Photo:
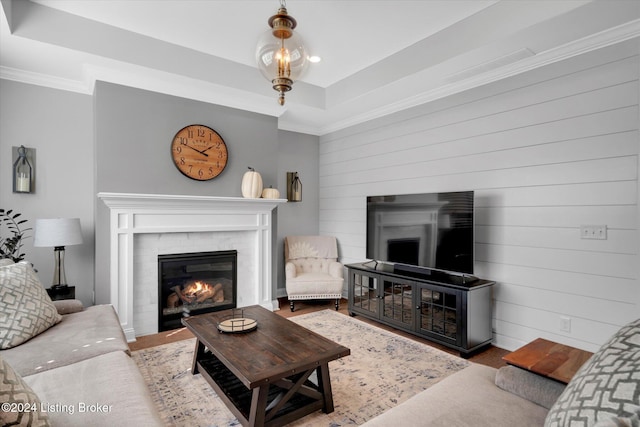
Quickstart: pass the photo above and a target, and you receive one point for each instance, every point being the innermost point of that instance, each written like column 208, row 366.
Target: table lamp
column 57, row 232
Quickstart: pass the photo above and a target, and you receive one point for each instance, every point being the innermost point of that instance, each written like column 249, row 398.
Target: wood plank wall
column 546, row 152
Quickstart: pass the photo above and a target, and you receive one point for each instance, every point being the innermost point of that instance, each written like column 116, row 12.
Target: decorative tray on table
column 237, row 323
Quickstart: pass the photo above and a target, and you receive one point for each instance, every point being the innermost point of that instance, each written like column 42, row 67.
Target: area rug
column 383, row 370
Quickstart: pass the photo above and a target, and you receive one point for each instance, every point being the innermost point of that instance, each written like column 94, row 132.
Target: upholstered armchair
column 312, row 269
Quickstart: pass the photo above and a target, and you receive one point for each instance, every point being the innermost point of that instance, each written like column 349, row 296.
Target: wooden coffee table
column 263, row 376
column 548, row 358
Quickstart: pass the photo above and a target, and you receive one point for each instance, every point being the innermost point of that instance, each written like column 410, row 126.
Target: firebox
column 195, row 283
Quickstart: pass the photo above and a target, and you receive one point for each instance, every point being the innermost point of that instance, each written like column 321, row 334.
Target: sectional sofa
column 62, row 364
column 65, row 365
column 605, row 392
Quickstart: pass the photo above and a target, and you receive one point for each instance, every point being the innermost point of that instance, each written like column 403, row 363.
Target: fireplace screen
column 195, row 283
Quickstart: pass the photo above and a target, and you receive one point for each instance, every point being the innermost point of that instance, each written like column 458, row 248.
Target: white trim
column 131, row 214
column 587, row 44
column 310, row 119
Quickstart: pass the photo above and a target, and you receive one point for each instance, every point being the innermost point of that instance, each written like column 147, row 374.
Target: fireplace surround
column 215, row 223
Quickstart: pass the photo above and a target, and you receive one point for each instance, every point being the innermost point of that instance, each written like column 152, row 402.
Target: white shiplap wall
column 545, row 152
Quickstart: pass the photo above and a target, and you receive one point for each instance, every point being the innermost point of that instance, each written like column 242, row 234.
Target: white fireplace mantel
column 131, row 214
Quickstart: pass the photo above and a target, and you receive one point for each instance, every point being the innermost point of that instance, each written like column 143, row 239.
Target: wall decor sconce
column 294, row 187
column 23, row 169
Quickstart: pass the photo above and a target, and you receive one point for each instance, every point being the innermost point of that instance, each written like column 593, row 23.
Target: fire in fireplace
column 195, row 283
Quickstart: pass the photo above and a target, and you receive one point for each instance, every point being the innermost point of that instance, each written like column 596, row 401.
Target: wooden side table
column 548, row 358
column 68, row 292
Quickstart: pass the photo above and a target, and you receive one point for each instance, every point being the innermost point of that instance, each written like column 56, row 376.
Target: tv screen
column 431, row 230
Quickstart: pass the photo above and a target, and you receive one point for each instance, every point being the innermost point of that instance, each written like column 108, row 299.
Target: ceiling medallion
column 280, row 53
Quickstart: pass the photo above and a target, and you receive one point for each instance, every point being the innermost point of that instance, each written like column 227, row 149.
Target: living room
column 546, row 149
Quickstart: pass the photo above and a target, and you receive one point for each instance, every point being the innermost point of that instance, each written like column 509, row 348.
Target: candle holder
column 294, row 187
column 23, row 169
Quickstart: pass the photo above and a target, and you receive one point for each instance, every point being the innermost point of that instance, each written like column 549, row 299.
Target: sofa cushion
column 106, row 390
column 24, row 406
column 467, row 398
column 82, row 335
column 528, row 385
column 25, row 307
column 606, row 386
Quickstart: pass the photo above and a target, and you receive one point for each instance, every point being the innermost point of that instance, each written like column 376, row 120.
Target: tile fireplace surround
column 142, row 226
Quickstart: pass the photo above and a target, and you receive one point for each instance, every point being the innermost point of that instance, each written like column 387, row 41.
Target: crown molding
column 309, row 120
column 569, row 50
column 45, row 80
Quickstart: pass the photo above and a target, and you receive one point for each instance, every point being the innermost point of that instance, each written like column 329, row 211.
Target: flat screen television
column 429, row 230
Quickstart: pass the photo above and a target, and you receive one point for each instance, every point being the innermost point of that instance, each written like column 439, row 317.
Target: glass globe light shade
column 276, row 59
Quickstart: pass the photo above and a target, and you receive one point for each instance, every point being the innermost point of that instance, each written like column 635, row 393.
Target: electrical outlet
column 594, row 232
column 565, row 324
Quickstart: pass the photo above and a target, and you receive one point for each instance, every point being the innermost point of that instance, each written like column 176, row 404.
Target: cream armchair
column 312, row 269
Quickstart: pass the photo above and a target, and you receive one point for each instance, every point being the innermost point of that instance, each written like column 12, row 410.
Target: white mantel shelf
column 133, row 200
column 131, row 214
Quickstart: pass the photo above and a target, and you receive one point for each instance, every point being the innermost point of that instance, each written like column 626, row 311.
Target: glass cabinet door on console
column 439, row 313
column 449, row 309
column 397, row 302
column 364, row 293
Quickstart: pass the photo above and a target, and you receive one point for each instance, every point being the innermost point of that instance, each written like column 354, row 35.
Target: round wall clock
column 199, row 152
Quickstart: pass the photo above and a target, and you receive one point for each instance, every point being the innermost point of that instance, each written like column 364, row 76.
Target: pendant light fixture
column 280, row 54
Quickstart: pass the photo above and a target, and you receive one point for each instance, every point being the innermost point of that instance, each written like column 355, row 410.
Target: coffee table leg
column 258, row 405
column 197, row 355
column 324, row 383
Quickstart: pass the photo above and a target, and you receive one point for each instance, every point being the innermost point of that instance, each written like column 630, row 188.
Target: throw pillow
column 533, row 387
column 5, row 262
column 20, row 405
column 620, row 422
column 606, row 387
column 25, row 307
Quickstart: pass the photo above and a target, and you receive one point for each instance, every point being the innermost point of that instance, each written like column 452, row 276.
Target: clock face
column 199, row 152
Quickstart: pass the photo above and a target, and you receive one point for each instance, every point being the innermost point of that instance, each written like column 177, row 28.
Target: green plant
column 11, row 247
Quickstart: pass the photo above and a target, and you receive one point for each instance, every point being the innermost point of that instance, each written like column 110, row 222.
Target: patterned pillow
column 606, row 387
column 20, row 405
column 25, row 307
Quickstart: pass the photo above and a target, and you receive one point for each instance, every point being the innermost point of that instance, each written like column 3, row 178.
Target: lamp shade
column 57, row 232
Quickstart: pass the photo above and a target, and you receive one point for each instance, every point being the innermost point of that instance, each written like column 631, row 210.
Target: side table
column 67, row 292
column 548, row 358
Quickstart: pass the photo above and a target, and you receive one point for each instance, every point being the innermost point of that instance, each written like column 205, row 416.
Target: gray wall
column 297, row 153
column 59, row 126
column 134, row 129
column 118, row 141
column 546, row 152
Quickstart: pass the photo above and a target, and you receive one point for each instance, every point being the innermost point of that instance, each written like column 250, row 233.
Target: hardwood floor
column 491, row 356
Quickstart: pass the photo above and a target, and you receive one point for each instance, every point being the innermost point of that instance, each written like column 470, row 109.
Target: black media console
column 453, row 310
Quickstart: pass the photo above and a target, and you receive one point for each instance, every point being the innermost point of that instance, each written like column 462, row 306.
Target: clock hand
column 195, row 149
column 207, row 149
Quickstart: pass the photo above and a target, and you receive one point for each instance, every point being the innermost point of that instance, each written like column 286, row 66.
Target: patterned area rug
column 383, row 370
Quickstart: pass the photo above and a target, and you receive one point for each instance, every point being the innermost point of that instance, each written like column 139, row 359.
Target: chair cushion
column 24, row 405
column 314, row 285
column 606, row 386
column 25, row 307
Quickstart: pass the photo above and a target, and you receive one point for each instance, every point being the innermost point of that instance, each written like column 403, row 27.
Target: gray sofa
column 605, row 392
column 62, row 364
column 81, row 371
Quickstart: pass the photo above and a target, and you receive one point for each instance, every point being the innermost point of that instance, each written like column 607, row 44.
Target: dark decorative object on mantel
column 294, row 187
column 11, row 247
